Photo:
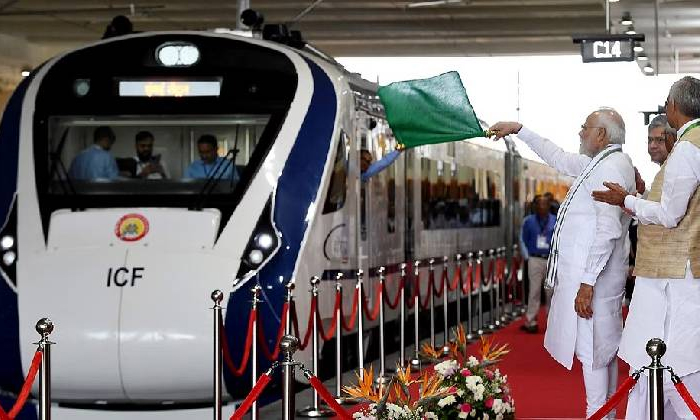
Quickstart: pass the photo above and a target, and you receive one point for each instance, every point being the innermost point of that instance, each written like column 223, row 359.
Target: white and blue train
column 124, row 266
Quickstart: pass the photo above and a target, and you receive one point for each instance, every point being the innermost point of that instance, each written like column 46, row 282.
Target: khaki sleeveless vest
column 663, row 253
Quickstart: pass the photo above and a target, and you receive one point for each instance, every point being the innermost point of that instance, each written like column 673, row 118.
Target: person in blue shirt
column 536, row 235
column 369, row 169
column 96, row 162
column 210, row 161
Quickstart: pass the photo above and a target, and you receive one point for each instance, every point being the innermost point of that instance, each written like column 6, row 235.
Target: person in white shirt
column 587, row 264
column 666, row 300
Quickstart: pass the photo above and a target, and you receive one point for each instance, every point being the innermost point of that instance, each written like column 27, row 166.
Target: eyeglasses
column 661, row 139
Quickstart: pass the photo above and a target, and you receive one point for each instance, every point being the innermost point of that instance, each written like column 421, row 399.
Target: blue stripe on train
column 11, row 375
column 297, row 190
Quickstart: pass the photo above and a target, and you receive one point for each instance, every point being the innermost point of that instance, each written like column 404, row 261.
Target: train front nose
column 135, row 324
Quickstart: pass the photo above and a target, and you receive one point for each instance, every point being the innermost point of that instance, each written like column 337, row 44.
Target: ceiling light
column 626, row 19
column 642, row 57
column 433, row 3
column 613, row 1
column 648, row 69
column 638, row 48
column 631, row 31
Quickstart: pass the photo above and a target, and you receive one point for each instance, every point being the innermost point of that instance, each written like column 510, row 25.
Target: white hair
column 613, row 124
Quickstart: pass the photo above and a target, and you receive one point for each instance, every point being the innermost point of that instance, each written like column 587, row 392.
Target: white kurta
column 592, row 250
column 667, row 308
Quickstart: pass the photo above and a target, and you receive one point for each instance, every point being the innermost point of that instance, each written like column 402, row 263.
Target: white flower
column 460, row 393
column 450, row 399
column 463, row 415
column 473, row 413
column 472, row 361
column 485, row 417
column 430, row 416
column 447, row 368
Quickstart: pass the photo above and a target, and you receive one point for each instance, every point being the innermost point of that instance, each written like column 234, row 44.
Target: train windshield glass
column 151, row 155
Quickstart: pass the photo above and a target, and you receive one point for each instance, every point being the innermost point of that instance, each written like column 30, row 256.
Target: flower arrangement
column 458, row 387
column 480, row 391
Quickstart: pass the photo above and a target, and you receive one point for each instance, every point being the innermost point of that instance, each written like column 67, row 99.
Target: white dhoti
column 668, row 309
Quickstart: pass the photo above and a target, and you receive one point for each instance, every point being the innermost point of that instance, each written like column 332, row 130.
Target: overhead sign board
column 607, row 48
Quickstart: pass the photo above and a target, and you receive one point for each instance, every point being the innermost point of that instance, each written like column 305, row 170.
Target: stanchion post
column 288, row 346
column 480, row 293
column 45, row 327
column 445, row 300
column 254, row 413
column 458, row 296
column 382, row 378
column 494, row 323
column 431, row 287
column 503, row 289
column 360, row 326
column 402, row 317
column 217, row 296
column 290, row 300
column 656, row 348
column 339, row 350
column 470, row 312
column 519, row 279
column 315, row 410
column 415, row 362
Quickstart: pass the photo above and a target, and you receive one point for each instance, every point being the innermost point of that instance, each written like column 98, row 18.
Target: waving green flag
column 427, row 111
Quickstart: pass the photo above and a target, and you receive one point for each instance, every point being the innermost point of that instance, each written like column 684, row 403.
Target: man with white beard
column 666, row 300
column 587, row 264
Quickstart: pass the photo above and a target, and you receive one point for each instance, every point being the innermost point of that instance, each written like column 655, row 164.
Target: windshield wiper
column 216, row 175
column 59, row 169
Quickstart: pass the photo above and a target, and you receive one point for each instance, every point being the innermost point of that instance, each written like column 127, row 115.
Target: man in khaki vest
column 666, row 301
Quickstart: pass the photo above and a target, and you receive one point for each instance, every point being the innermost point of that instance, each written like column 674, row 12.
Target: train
column 124, row 266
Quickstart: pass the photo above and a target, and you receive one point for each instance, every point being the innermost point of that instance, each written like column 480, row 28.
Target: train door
column 364, row 215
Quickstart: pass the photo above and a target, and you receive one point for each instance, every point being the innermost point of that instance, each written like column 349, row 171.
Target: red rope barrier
column 689, row 401
column 415, row 292
column 272, row 356
column 431, row 283
column 393, row 304
column 365, row 304
column 469, row 278
column 336, row 313
column 328, row 398
column 310, row 323
column 443, row 280
column 252, row 396
column 26, row 389
column 476, row 279
column 353, row 314
column 238, row 371
column 615, row 399
column 456, row 278
column 489, row 274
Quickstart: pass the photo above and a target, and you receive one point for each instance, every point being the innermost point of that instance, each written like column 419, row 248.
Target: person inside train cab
column 369, row 169
column 145, row 164
column 536, row 234
column 209, row 161
column 587, row 264
column 666, row 300
column 96, row 161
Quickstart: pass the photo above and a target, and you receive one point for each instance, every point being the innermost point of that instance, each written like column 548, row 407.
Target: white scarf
column 553, row 259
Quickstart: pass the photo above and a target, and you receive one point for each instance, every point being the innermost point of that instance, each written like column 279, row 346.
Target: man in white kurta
column 590, row 267
column 666, row 300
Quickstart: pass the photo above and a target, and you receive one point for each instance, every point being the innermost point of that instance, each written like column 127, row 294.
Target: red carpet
column 541, row 387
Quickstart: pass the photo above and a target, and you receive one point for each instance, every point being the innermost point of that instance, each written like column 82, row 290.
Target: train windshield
column 153, row 155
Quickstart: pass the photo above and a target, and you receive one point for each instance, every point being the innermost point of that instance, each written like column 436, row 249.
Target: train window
column 337, row 188
column 150, row 155
column 391, row 199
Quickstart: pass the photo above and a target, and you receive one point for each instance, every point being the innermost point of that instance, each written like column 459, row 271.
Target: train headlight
column 7, row 242
column 177, row 54
column 264, row 240
column 81, row 87
column 255, row 256
column 8, row 258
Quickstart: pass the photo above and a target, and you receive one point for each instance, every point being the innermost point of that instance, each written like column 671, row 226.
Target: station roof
column 382, row 28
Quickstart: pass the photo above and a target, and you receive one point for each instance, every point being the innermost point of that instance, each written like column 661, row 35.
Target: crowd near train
column 142, row 172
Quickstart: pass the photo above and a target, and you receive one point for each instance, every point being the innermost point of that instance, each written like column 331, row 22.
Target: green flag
column 427, row 111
